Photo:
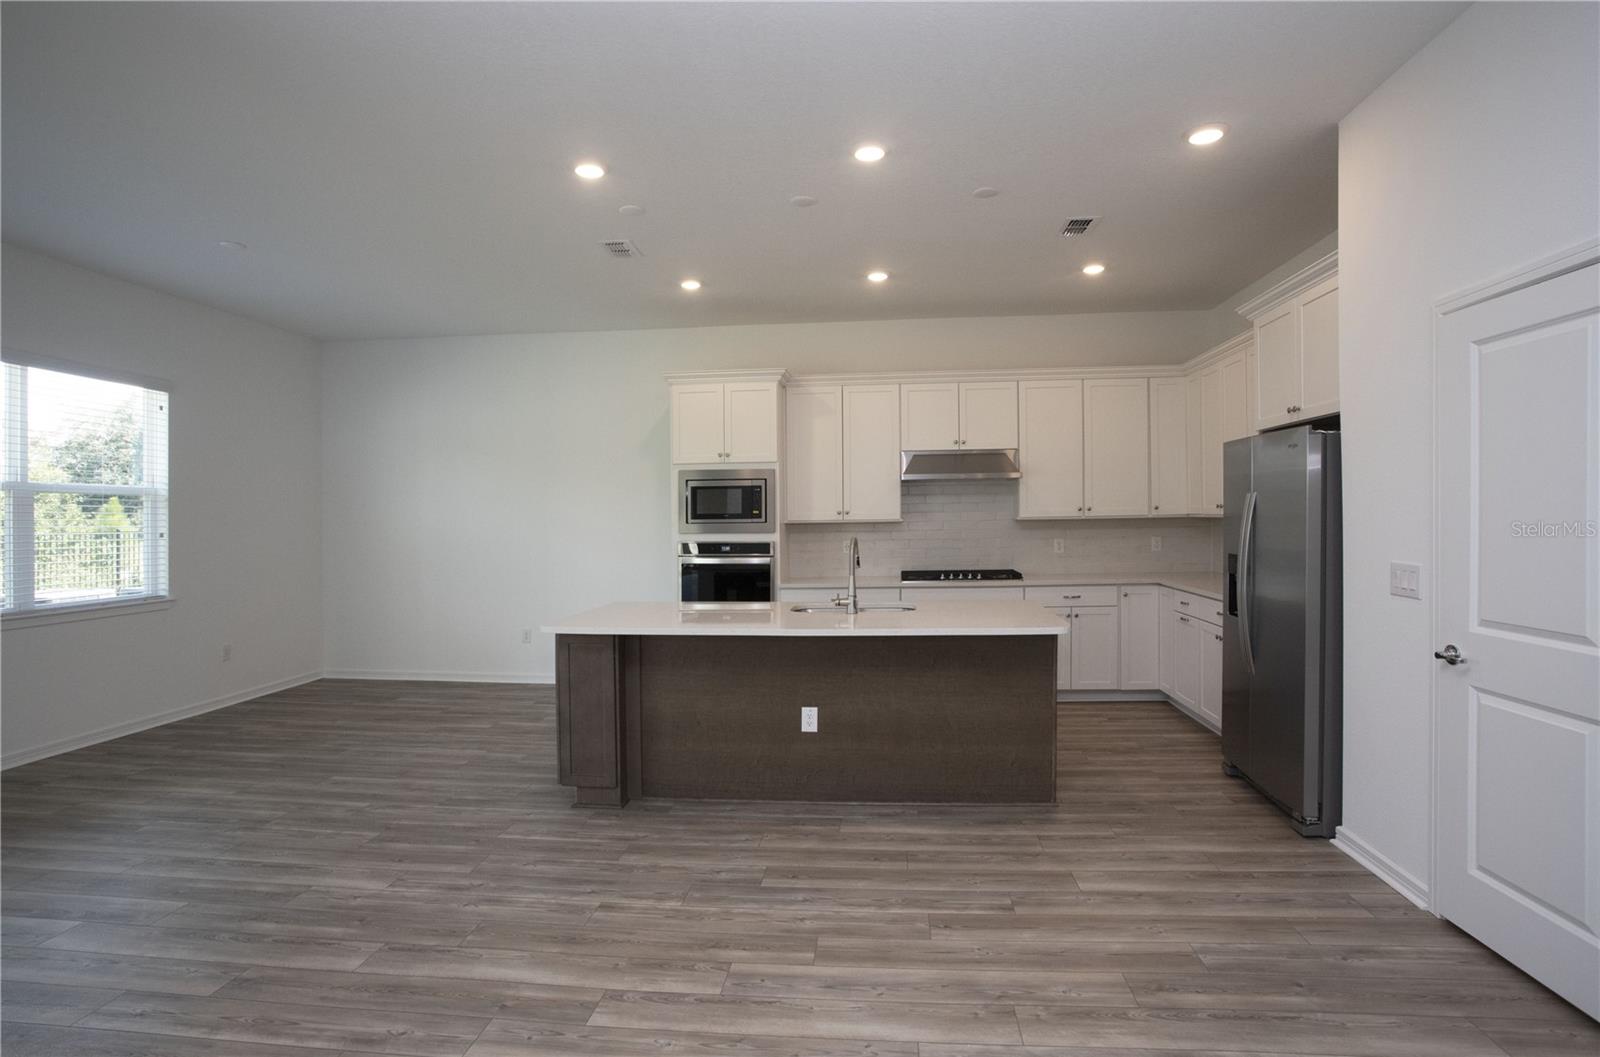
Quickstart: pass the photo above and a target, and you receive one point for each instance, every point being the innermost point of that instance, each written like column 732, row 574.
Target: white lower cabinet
column 1211, row 673
column 1063, row 650
column 1186, row 660
column 1168, row 641
column 956, row 594
column 1139, row 637
column 821, row 595
column 1095, row 653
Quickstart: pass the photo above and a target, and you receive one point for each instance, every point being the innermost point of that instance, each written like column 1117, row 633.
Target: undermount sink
column 882, row 607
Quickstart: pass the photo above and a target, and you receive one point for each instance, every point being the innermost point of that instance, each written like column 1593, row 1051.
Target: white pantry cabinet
column 1139, row 637
column 1169, row 447
column 724, row 422
column 1297, row 346
column 842, row 453
column 948, row 416
column 1051, row 451
column 1116, row 447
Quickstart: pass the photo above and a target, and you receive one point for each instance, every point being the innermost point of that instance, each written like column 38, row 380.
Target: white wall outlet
column 808, row 720
column 1405, row 580
column 1060, row 545
column 1155, row 544
column 227, row 651
column 527, row 636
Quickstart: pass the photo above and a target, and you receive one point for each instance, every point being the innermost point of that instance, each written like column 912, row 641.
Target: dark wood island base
column 901, row 719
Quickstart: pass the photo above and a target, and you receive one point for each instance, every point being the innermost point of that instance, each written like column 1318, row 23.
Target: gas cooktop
column 920, row 575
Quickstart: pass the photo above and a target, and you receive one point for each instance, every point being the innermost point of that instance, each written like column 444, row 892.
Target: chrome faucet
column 849, row 599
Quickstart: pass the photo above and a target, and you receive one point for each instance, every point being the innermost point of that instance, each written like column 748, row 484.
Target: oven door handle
column 724, row 561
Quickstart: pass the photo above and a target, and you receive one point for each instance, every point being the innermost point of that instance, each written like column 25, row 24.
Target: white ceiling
column 406, row 169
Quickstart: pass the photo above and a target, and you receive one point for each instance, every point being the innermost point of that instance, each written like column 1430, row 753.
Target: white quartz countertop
column 973, row 616
column 1207, row 584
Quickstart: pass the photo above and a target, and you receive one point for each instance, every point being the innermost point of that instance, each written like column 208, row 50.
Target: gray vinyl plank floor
column 353, row 868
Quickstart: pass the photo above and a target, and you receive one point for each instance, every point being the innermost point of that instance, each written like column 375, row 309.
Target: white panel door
column 751, row 434
column 1168, row 648
column 1210, row 705
column 988, row 414
column 1211, row 442
column 697, row 423
column 1186, row 663
column 1235, row 398
column 1095, row 663
column 1517, row 595
column 1197, row 499
column 1063, row 649
column 1139, row 637
column 1116, row 447
column 930, row 416
column 813, row 454
column 1319, row 350
column 1051, row 453
column 1169, row 447
column 872, row 453
column 1277, row 367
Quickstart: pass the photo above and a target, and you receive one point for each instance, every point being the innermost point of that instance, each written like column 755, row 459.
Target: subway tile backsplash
column 973, row 524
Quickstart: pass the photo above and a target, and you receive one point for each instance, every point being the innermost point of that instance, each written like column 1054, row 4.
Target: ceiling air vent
column 1076, row 226
column 621, row 248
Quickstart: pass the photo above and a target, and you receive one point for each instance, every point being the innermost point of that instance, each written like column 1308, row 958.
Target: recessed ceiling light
column 590, row 170
column 690, row 285
column 630, row 211
column 984, row 192
column 1094, row 269
column 1206, row 135
column 870, row 152
column 802, row 201
column 877, row 277
column 229, row 244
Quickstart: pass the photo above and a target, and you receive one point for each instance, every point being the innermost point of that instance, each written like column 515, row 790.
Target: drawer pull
column 1181, row 602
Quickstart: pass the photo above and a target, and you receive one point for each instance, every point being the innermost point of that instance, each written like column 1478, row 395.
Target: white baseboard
column 533, row 678
column 1110, row 695
column 133, row 726
column 1383, row 867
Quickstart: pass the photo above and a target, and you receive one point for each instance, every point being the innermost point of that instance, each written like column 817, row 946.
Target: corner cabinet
column 1297, row 346
column 842, row 453
column 1219, row 409
column 1169, row 447
column 734, row 420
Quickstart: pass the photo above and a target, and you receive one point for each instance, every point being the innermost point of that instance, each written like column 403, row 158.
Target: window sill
column 65, row 614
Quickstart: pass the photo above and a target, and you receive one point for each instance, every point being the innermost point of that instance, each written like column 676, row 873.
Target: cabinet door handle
column 1216, row 636
column 1158, row 506
column 1181, row 602
column 1184, row 619
column 1219, row 506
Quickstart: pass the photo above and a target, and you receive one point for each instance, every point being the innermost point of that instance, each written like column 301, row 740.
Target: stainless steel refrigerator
column 1281, row 668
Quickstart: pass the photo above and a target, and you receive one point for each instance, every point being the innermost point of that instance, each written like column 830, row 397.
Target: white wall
column 1477, row 156
column 476, row 487
column 245, row 514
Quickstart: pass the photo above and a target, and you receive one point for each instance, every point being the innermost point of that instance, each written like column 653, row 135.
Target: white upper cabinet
column 724, row 421
column 697, row 423
column 930, row 416
column 842, row 453
column 1235, row 397
column 1297, row 346
column 872, row 453
column 947, row 416
column 1116, row 415
column 1219, row 410
column 1211, row 403
column 1051, row 450
column 988, row 414
column 1194, row 406
column 751, row 416
column 1169, row 447
column 813, row 466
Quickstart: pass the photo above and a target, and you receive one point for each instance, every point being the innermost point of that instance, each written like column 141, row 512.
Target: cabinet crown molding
column 1018, row 374
column 1218, row 353
column 780, row 375
column 1277, row 294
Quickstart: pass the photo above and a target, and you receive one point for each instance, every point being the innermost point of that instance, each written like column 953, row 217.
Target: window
column 85, row 491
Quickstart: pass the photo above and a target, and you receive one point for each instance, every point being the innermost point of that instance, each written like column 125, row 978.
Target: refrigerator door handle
column 1247, row 526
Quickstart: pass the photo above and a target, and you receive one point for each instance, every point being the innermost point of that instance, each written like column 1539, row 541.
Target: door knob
column 1449, row 655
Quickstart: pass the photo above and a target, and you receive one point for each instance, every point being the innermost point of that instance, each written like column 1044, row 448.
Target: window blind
column 85, row 500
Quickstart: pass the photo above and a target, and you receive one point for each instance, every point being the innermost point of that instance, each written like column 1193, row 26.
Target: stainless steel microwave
column 725, row 501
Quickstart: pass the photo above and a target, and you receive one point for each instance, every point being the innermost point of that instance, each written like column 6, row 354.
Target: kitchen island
column 950, row 702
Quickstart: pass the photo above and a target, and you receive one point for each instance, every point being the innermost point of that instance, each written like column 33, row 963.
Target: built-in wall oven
column 725, row 574
column 725, row 502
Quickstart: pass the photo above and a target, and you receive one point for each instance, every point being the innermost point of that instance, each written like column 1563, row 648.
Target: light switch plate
column 808, row 720
column 1405, row 580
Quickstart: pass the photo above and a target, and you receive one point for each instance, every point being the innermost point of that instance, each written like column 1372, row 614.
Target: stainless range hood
column 989, row 464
